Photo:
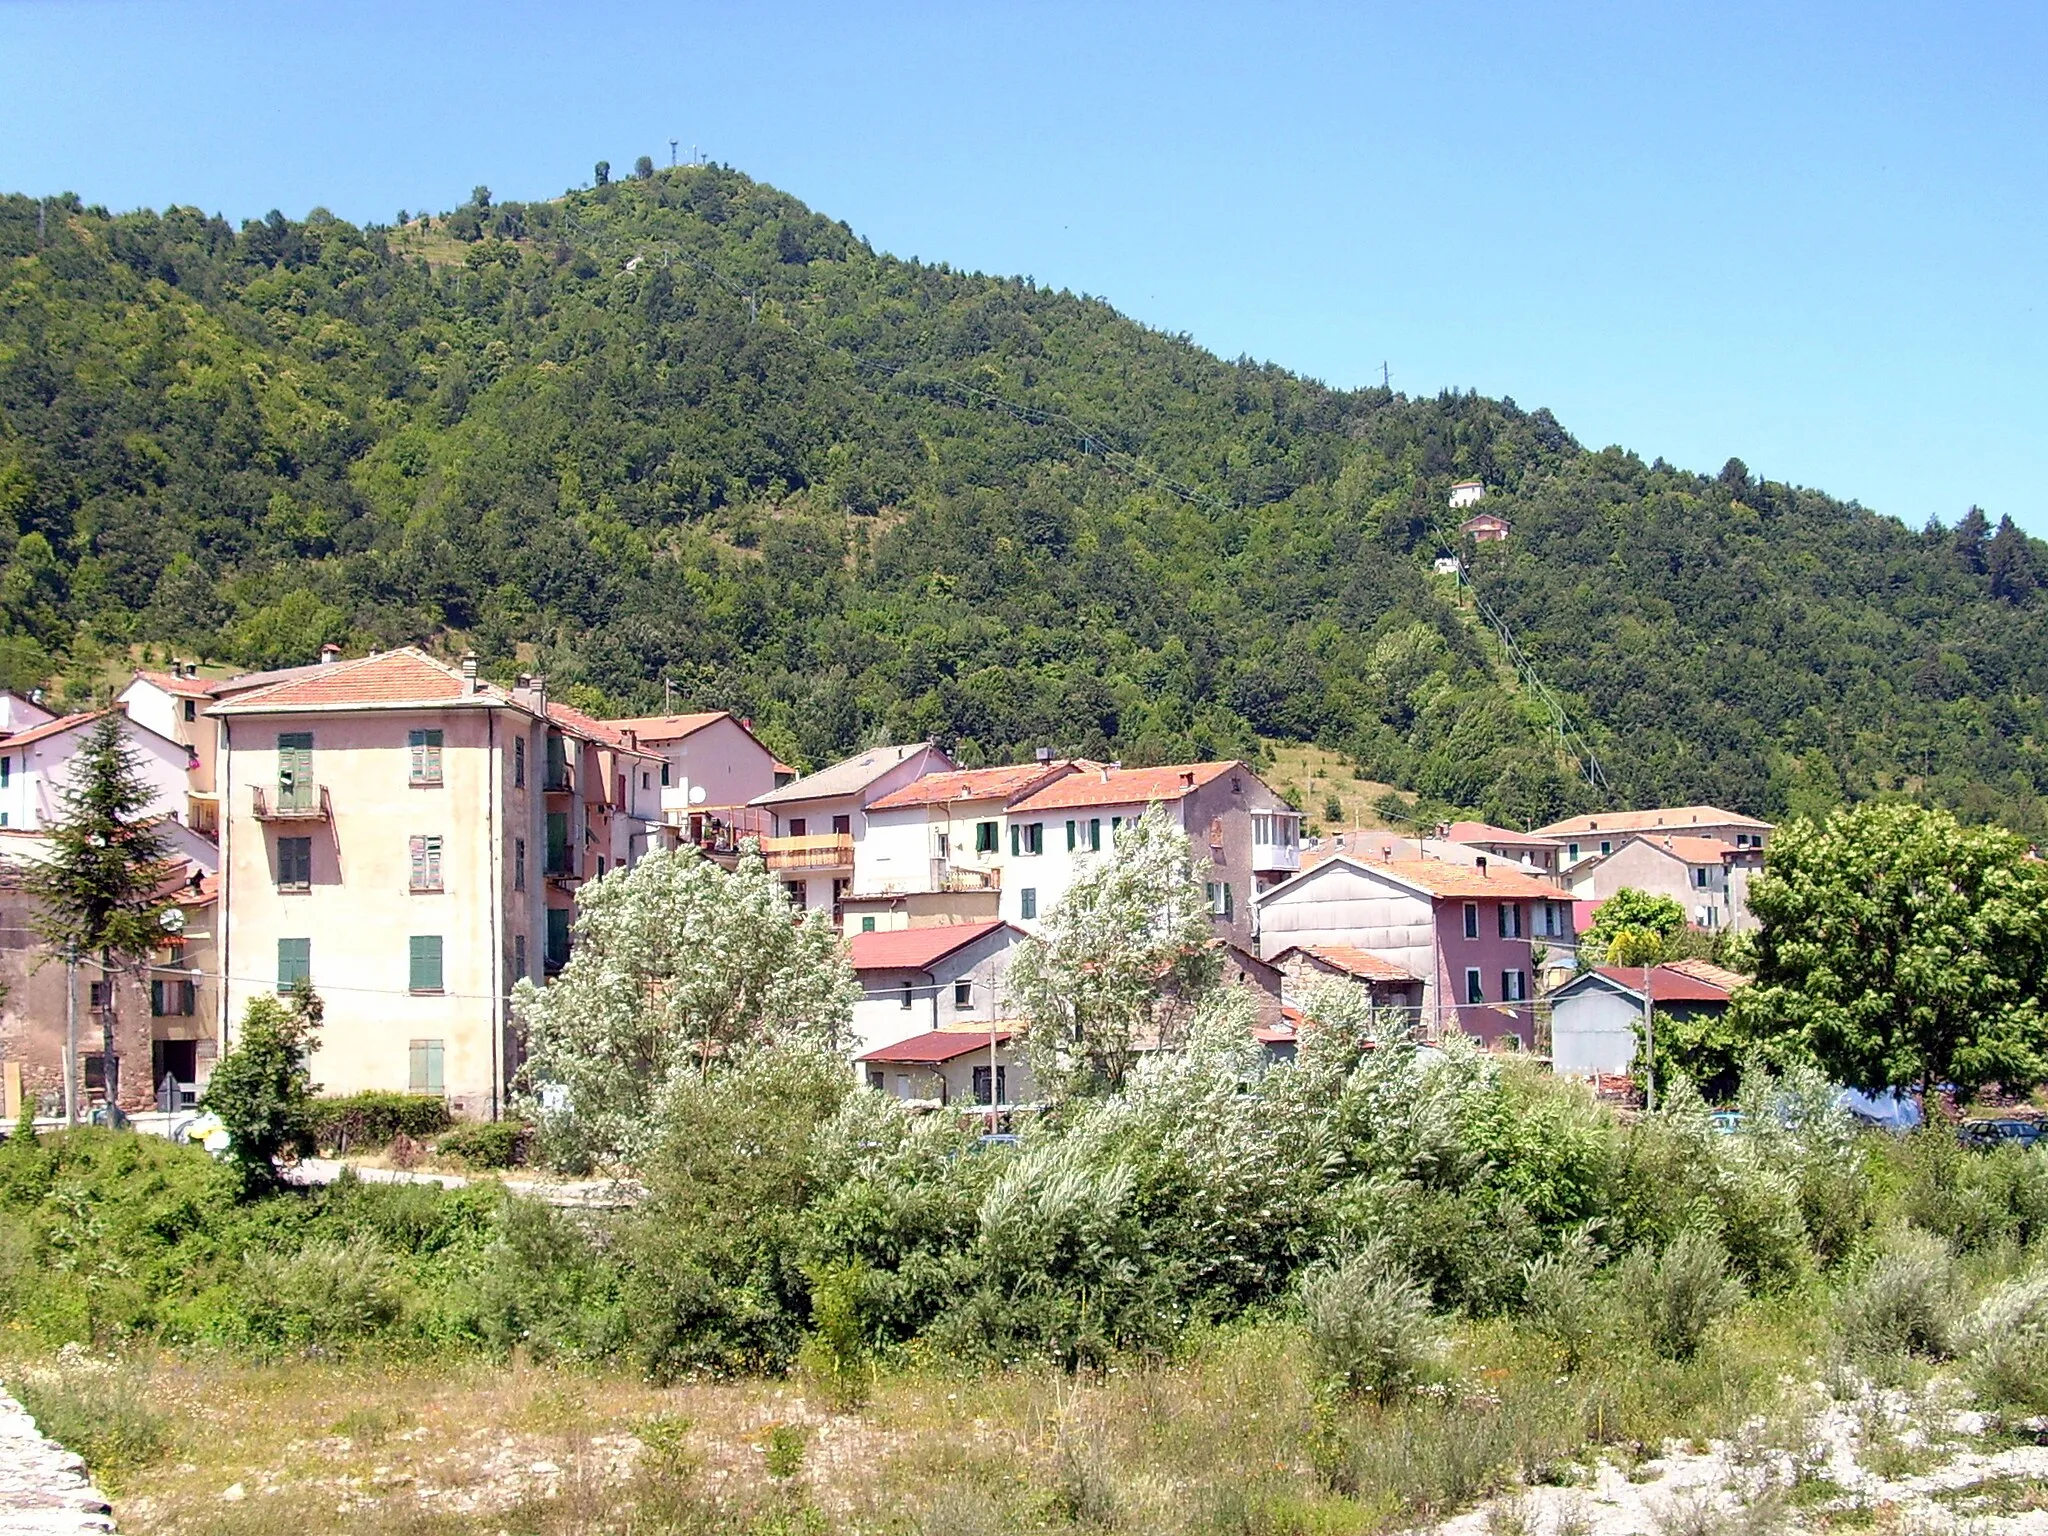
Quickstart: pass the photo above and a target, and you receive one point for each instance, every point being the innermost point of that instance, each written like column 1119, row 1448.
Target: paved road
column 43, row 1487
column 585, row 1194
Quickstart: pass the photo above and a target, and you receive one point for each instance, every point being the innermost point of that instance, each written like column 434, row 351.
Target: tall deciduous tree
column 1129, row 936
column 1629, row 908
column 1899, row 948
column 679, row 966
column 263, row 1090
column 98, row 891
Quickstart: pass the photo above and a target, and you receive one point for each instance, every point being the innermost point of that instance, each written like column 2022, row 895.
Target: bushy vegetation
column 363, row 1122
column 682, row 427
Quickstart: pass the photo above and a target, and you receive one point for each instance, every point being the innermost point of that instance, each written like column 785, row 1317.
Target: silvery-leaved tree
column 679, row 967
column 1124, row 954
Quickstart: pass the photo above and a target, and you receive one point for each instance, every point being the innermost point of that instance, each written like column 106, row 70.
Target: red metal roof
column 972, row 784
column 915, row 949
column 937, row 1046
column 1667, row 985
column 1125, row 786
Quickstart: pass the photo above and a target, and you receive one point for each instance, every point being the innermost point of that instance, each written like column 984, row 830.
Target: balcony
column 947, row 876
column 292, row 802
column 823, row 850
column 1273, row 858
column 559, row 779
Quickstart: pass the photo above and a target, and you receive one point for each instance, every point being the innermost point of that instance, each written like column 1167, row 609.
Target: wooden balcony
column 824, row 850
column 302, row 802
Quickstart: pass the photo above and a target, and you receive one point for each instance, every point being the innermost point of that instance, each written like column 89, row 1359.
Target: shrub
column 2008, row 1363
column 487, row 1143
column 1369, row 1325
column 328, row 1293
column 1561, row 1298
column 1907, row 1302
column 362, row 1121
column 1971, row 1199
column 261, row 1089
column 1680, row 1294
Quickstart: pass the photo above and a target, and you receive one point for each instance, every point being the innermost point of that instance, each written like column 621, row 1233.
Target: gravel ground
column 43, row 1487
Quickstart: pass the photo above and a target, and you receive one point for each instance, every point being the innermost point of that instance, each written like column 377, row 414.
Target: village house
column 916, row 980
column 1705, row 876
column 1582, row 837
column 36, row 762
column 945, row 834
column 1531, row 852
column 952, row 1068
column 1243, row 835
column 816, row 821
column 1466, row 932
column 1485, row 528
column 712, row 767
column 1596, row 1017
column 1467, row 493
column 1302, row 966
column 410, row 838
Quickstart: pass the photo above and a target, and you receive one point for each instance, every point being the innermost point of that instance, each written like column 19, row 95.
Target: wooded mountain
column 682, row 427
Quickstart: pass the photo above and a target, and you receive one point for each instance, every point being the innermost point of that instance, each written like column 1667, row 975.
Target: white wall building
column 916, row 980
column 35, row 767
column 817, row 821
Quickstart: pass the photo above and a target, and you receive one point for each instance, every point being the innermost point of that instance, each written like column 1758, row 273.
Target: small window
column 906, row 994
column 963, row 995
column 797, row 825
column 1027, row 902
column 519, row 762
column 191, row 709
column 842, row 826
column 294, row 962
column 984, row 837
column 1511, row 987
column 1475, row 987
column 867, row 925
column 795, row 888
column 1510, row 920
column 518, row 863
column 1034, row 837
column 664, row 773
column 294, row 863
column 426, row 863
column 425, row 747
column 172, row 999
column 6, row 771
column 600, row 866
column 1699, row 878
column 1471, row 919
column 427, row 1068
column 100, row 995
column 647, row 781
column 518, row 955
column 1606, row 846
column 425, row 969
column 981, row 1085
column 1572, row 853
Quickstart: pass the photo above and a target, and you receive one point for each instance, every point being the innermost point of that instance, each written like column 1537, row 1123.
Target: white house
column 815, row 822
column 35, row 767
column 916, row 980
column 1467, row 493
column 947, row 831
column 20, row 714
column 711, row 764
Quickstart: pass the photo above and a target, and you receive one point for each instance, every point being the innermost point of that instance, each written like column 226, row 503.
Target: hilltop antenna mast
column 672, row 153
column 1386, row 379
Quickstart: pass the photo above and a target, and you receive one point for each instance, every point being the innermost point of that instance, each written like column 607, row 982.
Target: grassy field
column 1312, row 774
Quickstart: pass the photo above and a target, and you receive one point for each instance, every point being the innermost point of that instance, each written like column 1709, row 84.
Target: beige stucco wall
column 360, row 913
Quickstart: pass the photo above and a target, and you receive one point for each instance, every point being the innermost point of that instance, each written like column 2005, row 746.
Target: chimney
column 1482, row 867
column 747, row 723
column 1386, row 853
column 1105, row 772
column 330, row 653
column 1043, row 754
column 1187, row 779
column 469, row 682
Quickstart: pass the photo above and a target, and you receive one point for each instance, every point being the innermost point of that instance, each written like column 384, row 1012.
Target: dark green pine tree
column 98, row 892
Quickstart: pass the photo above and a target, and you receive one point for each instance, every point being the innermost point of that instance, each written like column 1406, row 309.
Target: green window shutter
column 156, row 998
column 425, row 1073
column 294, row 962
column 1095, row 834
column 1016, row 840
column 1229, row 902
column 295, row 790
column 426, row 963
column 1071, row 838
column 867, row 925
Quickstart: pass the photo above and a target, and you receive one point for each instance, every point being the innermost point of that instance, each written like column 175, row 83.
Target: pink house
column 1468, row 932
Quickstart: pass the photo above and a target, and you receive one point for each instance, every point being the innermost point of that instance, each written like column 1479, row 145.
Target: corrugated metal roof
column 936, row 1047
column 915, row 949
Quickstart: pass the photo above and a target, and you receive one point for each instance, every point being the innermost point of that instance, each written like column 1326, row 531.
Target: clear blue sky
column 1810, row 235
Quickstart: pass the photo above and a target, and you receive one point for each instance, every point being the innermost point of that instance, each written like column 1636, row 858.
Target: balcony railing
column 825, row 850
column 1270, row 857
column 558, row 779
column 947, row 876
column 295, row 802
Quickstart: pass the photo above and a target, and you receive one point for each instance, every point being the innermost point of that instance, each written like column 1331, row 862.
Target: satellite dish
column 172, row 920
column 696, row 794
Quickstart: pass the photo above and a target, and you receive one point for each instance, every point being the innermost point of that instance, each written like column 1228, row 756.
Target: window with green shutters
column 1073, row 836
column 426, row 963
column 558, row 937
column 558, row 843
column 294, row 863
column 1095, row 834
column 1027, row 902
column 427, row 1070
column 295, row 791
column 171, row 999
column 426, row 863
column 425, row 747
column 519, row 762
column 294, row 962
column 984, row 837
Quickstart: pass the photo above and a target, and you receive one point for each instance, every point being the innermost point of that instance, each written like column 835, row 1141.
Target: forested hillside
column 681, row 427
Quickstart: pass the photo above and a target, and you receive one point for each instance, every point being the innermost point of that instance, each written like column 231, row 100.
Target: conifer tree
column 98, row 891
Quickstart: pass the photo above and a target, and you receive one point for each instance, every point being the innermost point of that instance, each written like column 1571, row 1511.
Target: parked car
column 1985, row 1134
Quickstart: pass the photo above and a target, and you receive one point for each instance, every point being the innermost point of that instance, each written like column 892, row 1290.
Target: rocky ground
column 43, row 1487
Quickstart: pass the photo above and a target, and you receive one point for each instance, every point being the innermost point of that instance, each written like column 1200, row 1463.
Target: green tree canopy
column 262, row 1089
column 1651, row 921
column 1899, row 948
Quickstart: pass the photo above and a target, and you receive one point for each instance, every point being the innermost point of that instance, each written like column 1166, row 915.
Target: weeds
column 99, row 1411
column 1906, row 1303
column 1369, row 1326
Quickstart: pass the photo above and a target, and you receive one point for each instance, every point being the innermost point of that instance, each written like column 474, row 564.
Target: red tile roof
column 1353, row 961
column 1438, row 878
column 1694, row 850
column 936, row 1047
column 647, row 728
column 606, row 733
column 915, row 949
column 1484, row 832
column 972, row 784
column 1667, row 985
column 392, row 678
column 1125, row 786
column 56, row 727
column 1669, row 817
column 181, row 687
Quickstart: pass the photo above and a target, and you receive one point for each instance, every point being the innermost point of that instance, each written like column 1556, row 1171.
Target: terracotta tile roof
column 56, row 727
column 247, row 682
column 1707, row 971
column 1672, row 817
column 1484, row 832
column 1435, row 877
column 178, row 886
column 1694, row 850
column 180, row 687
column 393, row 678
column 606, row 733
column 647, row 728
column 1126, row 786
column 936, row 1047
column 972, row 784
column 915, row 949
column 1353, row 961
column 1667, row 985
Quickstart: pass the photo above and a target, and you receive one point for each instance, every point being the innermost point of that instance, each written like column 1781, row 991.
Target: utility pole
column 1649, row 1046
column 71, row 1037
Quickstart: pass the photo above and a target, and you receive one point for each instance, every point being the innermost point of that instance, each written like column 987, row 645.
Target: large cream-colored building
column 410, row 838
